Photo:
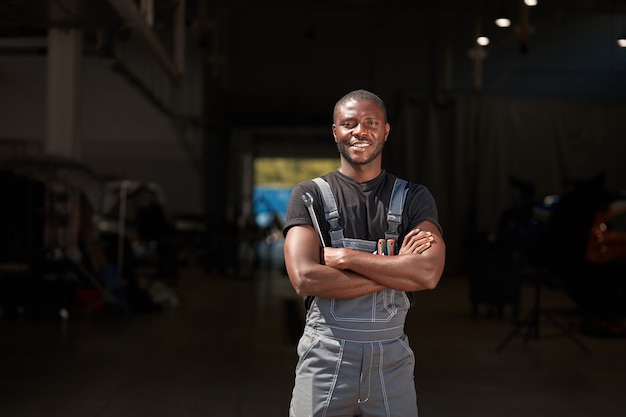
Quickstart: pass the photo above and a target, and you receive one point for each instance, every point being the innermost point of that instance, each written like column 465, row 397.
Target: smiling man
column 382, row 242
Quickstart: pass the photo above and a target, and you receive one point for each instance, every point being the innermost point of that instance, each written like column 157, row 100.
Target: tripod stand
column 530, row 325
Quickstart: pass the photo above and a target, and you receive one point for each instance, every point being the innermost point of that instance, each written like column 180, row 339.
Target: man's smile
column 359, row 144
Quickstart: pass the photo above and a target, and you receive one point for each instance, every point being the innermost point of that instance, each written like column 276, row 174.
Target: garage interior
column 135, row 279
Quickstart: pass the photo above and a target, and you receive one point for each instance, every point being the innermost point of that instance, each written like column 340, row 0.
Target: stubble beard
column 345, row 154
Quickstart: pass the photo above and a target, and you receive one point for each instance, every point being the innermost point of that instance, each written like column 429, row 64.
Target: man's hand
column 333, row 257
column 416, row 241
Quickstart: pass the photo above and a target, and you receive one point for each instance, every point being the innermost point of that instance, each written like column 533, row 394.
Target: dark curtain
column 467, row 150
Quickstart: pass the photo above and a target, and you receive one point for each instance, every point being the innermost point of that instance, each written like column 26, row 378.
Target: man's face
column 360, row 131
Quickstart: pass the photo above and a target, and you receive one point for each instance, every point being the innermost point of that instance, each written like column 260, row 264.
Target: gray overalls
column 354, row 358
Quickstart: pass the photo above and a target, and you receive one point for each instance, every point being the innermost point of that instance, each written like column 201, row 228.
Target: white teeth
column 360, row 145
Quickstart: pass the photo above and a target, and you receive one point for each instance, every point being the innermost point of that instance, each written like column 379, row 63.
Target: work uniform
column 354, row 357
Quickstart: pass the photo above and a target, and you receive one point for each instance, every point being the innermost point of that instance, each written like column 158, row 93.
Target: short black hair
column 360, row 95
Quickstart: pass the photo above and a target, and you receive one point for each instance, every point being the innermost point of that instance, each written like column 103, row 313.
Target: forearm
column 309, row 276
column 411, row 272
column 325, row 281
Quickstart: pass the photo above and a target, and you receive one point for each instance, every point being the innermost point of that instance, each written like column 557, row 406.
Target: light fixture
column 482, row 40
column 622, row 42
column 530, row 3
column 503, row 22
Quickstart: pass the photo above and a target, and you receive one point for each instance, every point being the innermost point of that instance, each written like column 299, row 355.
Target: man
column 354, row 358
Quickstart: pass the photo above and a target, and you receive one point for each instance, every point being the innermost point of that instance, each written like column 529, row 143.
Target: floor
column 228, row 350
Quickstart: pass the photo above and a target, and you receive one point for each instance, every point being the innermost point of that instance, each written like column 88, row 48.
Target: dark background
column 545, row 103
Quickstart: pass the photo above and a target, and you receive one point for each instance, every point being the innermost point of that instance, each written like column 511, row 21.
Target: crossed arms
column 348, row 273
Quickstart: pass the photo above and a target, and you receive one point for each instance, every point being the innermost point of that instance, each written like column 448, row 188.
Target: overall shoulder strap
column 396, row 205
column 394, row 217
column 331, row 213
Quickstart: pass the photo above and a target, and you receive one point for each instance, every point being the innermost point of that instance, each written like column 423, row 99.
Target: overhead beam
column 136, row 20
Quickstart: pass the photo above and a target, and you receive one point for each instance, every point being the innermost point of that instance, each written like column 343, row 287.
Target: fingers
column 422, row 248
column 416, row 241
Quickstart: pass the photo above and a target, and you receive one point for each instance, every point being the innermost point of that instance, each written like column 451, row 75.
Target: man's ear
column 387, row 129
column 334, row 134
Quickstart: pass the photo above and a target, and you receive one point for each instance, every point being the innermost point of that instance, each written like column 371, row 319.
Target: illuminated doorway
column 274, row 179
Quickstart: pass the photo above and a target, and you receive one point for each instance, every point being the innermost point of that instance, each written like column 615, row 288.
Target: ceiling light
column 503, row 22
column 530, row 3
column 622, row 42
column 482, row 40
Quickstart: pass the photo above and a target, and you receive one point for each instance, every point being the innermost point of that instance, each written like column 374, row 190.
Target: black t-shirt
column 362, row 207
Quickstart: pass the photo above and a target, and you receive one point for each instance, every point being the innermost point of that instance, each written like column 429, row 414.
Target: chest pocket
column 380, row 307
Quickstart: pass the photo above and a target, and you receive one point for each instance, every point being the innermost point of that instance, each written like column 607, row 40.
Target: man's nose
column 359, row 131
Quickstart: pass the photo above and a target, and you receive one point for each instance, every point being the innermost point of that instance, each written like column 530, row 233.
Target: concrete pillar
column 63, row 82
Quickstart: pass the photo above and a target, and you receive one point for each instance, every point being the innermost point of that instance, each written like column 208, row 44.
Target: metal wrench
column 307, row 198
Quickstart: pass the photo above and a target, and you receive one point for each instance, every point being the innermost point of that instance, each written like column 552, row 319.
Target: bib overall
column 354, row 357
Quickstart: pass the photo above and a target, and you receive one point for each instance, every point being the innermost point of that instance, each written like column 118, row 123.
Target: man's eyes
column 351, row 125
